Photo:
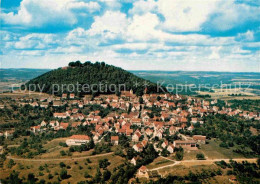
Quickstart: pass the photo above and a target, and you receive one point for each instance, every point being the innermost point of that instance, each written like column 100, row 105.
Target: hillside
column 96, row 78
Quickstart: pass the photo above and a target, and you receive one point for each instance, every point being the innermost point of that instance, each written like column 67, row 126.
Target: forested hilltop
column 103, row 78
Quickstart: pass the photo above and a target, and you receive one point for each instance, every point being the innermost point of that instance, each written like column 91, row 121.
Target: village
column 133, row 117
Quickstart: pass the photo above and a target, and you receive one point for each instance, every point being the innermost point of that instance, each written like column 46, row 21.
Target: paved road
column 57, row 159
column 200, row 162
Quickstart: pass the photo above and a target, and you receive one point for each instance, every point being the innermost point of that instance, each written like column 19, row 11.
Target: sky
column 188, row 35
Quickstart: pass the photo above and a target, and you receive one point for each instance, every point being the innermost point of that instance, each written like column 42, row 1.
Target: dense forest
column 89, row 78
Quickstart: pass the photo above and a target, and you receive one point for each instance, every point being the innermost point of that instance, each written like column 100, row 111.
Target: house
column 159, row 134
column 199, row 139
column 57, row 104
column 142, row 172
column 44, row 104
column 184, row 144
column 72, row 96
column 135, row 159
column 75, row 124
column 8, row 133
column 64, row 96
column 54, row 123
column 138, row 147
column 96, row 137
column 64, row 125
column 190, row 128
column 164, row 144
column 35, row 129
column 60, row 115
column 136, row 136
column 149, row 132
column 136, row 121
column 77, row 140
column 114, row 140
column 170, row 148
column 173, row 129
column 34, row 104
column 194, row 120
column 43, row 123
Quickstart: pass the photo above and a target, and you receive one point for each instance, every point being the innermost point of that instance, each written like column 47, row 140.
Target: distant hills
column 90, row 78
column 21, row 74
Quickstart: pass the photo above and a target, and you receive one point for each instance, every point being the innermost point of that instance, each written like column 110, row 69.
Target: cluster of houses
column 176, row 113
column 133, row 117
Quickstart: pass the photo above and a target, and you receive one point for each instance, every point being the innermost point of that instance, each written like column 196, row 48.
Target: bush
column 103, row 163
column 62, row 153
column 41, row 168
column 229, row 172
column 62, row 165
column 50, row 176
column 200, row 156
column 179, row 155
column 11, row 163
column 223, row 145
column 86, row 175
column 63, row 174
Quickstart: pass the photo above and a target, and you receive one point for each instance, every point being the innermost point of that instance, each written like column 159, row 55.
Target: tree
column 62, row 165
column 86, row 175
column 11, row 163
column 141, row 100
column 103, row 163
column 50, row 176
column 106, row 175
column 41, row 168
column 158, row 98
column 31, row 178
column 98, row 175
column 13, row 178
column 200, row 156
column 165, row 152
column 179, row 155
column 63, row 174
column 62, row 153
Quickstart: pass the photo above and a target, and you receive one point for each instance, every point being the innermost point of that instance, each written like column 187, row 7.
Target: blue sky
column 196, row 35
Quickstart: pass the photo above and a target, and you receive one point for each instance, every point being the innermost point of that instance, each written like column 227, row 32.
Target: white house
column 76, row 140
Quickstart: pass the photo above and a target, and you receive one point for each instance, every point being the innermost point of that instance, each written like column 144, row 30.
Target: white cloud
column 142, row 7
column 91, row 6
column 36, row 13
column 143, row 27
column 247, row 36
column 34, row 41
column 215, row 53
column 110, row 25
column 185, row 15
column 112, row 4
column 230, row 14
column 68, row 50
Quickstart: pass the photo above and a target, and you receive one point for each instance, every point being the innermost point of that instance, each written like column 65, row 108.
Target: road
column 57, row 159
column 200, row 162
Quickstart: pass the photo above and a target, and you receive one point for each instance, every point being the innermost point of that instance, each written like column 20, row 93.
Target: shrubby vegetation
column 231, row 131
column 91, row 73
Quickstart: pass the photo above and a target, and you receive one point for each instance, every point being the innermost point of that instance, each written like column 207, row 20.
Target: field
column 194, row 83
column 213, row 151
column 158, row 162
column 76, row 169
column 77, row 164
column 13, row 78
